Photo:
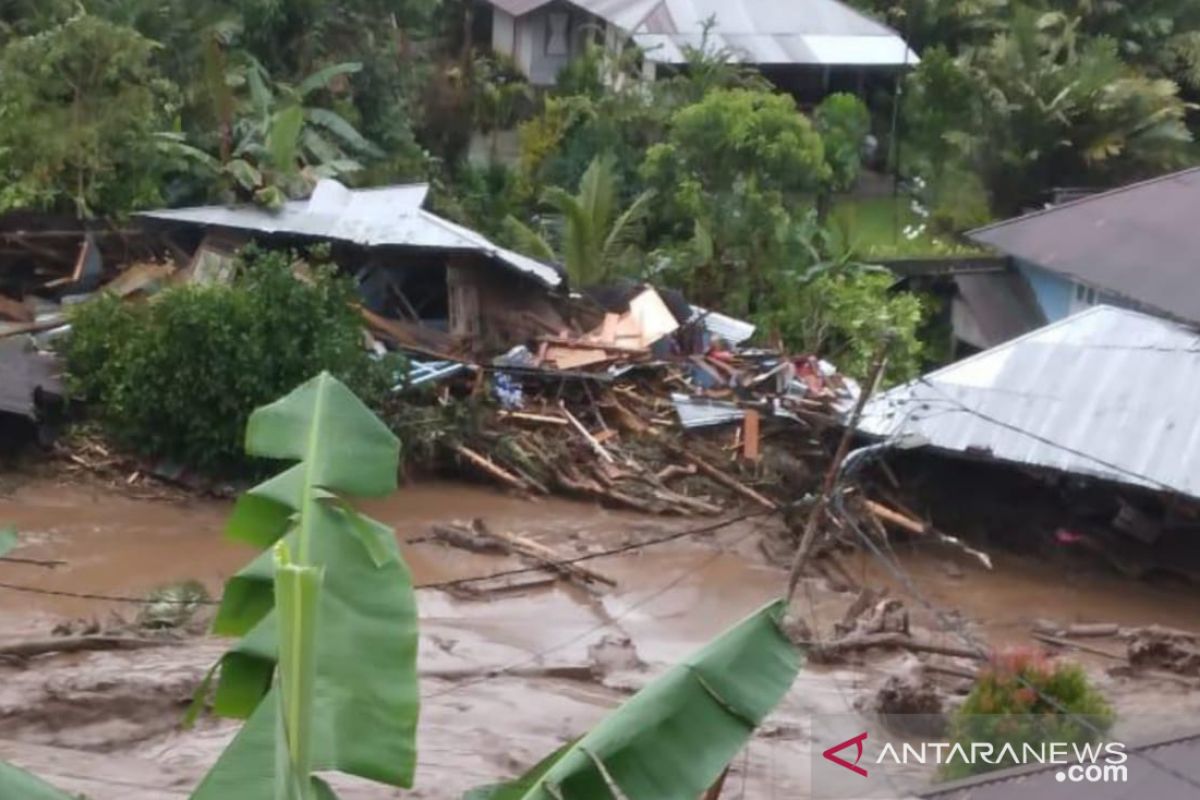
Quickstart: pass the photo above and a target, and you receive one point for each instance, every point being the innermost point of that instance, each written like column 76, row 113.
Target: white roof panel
column 1109, row 393
column 370, row 217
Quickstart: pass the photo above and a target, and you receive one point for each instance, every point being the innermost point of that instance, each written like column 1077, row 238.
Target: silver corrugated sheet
column 370, row 217
column 1108, row 393
column 700, row 412
column 731, row 330
column 824, row 32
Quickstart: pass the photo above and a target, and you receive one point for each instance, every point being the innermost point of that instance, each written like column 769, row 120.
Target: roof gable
column 1141, row 242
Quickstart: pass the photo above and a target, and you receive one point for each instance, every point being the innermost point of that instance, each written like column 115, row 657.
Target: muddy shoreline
column 504, row 679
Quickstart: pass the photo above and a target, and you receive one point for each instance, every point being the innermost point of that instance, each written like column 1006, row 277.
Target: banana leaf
column 8, row 539
column 364, row 711
column 17, row 783
column 672, row 740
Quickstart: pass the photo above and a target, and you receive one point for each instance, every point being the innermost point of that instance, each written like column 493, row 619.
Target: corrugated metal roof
column 627, row 14
column 823, row 32
column 701, row 412
column 1109, row 392
column 391, row 215
column 1140, row 242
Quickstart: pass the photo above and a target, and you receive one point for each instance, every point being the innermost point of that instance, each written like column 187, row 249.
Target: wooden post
column 750, row 440
column 831, row 476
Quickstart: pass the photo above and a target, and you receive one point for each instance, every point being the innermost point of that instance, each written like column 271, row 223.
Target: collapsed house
column 1092, row 417
column 430, row 284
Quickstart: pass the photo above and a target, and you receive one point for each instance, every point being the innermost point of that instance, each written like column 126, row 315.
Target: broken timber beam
column 729, row 481
column 496, row 471
column 902, row 521
column 524, row 546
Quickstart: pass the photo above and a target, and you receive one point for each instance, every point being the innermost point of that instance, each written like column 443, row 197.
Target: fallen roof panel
column 370, row 217
column 1109, row 393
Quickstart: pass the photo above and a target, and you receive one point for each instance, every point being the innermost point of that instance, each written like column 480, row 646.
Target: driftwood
column 77, row 644
column 957, row 672
column 1086, row 648
column 467, row 539
column 896, row 518
column 523, row 546
column 728, row 481
column 497, row 472
column 856, row 642
column 591, row 440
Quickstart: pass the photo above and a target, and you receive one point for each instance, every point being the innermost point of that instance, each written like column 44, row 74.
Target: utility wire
column 961, row 406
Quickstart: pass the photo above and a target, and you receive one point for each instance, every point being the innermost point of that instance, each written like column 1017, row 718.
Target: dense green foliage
column 1022, row 697
column 1012, row 100
column 82, row 106
column 178, row 377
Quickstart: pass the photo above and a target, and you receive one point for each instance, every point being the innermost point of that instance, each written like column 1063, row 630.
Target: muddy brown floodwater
column 504, row 680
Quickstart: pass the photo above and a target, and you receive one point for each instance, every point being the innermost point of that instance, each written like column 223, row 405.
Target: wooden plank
column 525, row 416
column 896, row 518
column 729, row 481
column 750, row 435
column 591, row 440
column 496, row 471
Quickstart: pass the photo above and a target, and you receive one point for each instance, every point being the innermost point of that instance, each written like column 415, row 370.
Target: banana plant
column 17, row 783
column 329, row 587
column 674, row 738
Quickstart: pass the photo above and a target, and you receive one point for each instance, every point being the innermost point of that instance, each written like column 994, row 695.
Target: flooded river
column 492, row 704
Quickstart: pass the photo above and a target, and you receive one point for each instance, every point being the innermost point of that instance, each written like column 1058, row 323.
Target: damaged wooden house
column 428, row 284
column 1079, row 438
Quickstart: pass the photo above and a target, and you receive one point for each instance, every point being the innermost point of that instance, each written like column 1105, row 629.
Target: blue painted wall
column 1053, row 292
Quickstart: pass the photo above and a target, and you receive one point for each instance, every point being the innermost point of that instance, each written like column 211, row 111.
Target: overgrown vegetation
column 1025, row 698
column 177, row 377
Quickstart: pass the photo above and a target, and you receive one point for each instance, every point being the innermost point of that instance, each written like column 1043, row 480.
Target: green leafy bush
column 843, row 122
column 178, row 376
column 1024, row 698
column 845, row 314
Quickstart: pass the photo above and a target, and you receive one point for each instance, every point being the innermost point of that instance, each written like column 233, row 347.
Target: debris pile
column 643, row 411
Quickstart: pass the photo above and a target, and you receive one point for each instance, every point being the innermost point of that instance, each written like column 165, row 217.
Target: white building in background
column 809, row 47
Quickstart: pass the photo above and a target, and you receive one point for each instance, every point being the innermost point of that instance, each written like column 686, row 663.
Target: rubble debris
column 911, row 703
column 613, row 653
column 1151, row 648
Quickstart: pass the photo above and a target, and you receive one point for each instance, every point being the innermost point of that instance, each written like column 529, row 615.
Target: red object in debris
column 808, row 371
column 1064, row 536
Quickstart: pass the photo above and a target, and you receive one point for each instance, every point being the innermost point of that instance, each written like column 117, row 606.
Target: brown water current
column 478, row 726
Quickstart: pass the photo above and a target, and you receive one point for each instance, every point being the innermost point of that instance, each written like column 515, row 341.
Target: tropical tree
column 81, row 109
column 281, row 140
column 594, row 235
column 1041, row 106
column 733, row 178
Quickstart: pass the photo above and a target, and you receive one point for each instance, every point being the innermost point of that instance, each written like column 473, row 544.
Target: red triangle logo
column 857, row 741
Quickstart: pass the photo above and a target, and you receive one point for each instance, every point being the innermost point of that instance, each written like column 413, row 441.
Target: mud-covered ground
column 505, row 679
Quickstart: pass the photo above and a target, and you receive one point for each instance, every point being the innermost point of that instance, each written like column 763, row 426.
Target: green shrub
column 178, row 376
column 1024, row 698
